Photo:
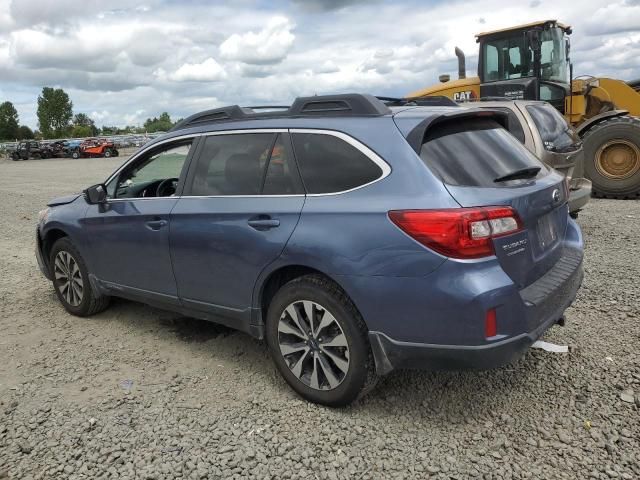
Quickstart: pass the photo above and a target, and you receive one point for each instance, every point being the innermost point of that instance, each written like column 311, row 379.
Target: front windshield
column 508, row 58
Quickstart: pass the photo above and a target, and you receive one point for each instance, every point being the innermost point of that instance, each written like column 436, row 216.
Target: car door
column 241, row 203
column 129, row 234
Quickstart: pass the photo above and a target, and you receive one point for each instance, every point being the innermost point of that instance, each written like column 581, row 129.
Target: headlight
column 43, row 215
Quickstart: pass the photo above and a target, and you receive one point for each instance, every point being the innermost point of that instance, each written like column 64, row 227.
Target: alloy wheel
column 68, row 278
column 313, row 345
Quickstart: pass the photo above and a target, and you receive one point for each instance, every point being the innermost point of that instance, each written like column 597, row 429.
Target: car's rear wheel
column 107, row 153
column 71, row 281
column 319, row 343
column 75, row 154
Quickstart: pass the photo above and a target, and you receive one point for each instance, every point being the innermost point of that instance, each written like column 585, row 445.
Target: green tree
column 161, row 124
column 55, row 111
column 24, row 133
column 83, row 120
column 81, row 131
column 105, row 130
column 8, row 121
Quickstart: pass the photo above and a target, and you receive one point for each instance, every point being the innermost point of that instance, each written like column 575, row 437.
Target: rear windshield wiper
column 528, row 172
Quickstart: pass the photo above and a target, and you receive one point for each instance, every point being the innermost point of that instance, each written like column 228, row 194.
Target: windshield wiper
column 528, row 172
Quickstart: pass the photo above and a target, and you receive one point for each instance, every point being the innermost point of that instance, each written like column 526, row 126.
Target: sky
column 122, row 62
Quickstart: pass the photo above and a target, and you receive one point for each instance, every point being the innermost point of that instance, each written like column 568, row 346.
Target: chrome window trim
column 143, row 150
column 370, row 154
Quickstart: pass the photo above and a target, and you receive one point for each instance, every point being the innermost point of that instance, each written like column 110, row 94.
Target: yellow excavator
column 532, row 62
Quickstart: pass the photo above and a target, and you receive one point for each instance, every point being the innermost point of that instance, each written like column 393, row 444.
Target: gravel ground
column 140, row 393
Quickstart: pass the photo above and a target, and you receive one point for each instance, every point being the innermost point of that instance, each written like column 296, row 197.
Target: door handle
column 263, row 223
column 156, row 224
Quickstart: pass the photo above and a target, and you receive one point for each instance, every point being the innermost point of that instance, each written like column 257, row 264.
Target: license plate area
column 546, row 230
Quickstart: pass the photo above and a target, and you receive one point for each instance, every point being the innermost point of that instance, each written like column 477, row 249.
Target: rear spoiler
column 417, row 134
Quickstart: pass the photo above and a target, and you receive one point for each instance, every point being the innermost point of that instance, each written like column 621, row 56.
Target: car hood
column 63, row 200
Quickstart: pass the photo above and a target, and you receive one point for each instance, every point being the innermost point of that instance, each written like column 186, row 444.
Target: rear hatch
column 481, row 164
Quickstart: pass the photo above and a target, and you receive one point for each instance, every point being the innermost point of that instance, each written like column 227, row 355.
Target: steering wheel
column 167, row 187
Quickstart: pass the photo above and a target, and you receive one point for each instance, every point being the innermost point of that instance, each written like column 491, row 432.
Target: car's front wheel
column 71, row 281
column 319, row 343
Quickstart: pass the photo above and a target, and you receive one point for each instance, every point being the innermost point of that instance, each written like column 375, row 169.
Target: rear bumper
column 579, row 194
column 392, row 355
column 540, row 299
column 542, row 305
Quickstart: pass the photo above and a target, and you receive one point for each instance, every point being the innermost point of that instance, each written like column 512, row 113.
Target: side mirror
column 96, row 194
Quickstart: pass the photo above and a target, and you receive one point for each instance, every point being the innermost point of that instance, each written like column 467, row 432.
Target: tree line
column 57, row 120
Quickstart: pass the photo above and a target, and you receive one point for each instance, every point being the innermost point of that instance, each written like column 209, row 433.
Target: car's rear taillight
column 458, row 232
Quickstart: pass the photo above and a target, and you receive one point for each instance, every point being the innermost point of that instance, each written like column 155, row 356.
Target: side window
column 328, row 164
column 491, row 62
column 232, row 164
column 246, row 164
column 281, row 175
column 155, row 174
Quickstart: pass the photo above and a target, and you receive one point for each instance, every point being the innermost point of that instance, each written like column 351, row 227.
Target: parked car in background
column 30, row 149
column 58, row 148
column 96, row 147
column 546, row 133
column 72, row 148
column 355, row 238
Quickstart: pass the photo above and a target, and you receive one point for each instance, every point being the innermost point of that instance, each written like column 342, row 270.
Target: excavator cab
column 528, row 62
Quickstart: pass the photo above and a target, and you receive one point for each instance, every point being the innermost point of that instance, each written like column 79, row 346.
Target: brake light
column 458, row 232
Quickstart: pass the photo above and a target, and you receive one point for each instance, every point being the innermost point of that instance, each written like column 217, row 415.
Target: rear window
column 554, row 130
column 474, row 153
column 515, row 128
column 328, row 164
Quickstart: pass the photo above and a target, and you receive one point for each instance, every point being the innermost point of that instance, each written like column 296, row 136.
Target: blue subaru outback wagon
column 355, row 237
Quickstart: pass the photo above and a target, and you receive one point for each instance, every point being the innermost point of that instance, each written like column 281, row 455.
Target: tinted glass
column 475, row 153
column 142, row 178
column 556, row 133
column 329, row 164
column 515, row 127
column 232, row 164
column 281, row 176
column 507, row 58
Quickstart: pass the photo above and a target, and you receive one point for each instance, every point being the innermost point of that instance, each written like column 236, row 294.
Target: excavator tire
column 612, row 157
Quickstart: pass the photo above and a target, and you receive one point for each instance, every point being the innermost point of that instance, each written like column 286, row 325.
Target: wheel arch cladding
column 50, row 238
column 281, row 276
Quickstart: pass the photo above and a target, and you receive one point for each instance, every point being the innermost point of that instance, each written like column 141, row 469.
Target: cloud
column 328, row 66
column 614, row 18
column 327, row 5
column 28, row 13
column 125, row 61
column 270, row 45
column 207, row 71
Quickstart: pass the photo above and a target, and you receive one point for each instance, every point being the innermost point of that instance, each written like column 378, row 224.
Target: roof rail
column 431, row 101
column 231, row 112
column 350, row 104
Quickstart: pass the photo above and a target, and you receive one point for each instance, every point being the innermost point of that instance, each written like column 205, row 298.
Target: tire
column 82, row 304
column 75, row 154
column 345, row 326
column 116, row 153
column 107, row 153
column 612, row 157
